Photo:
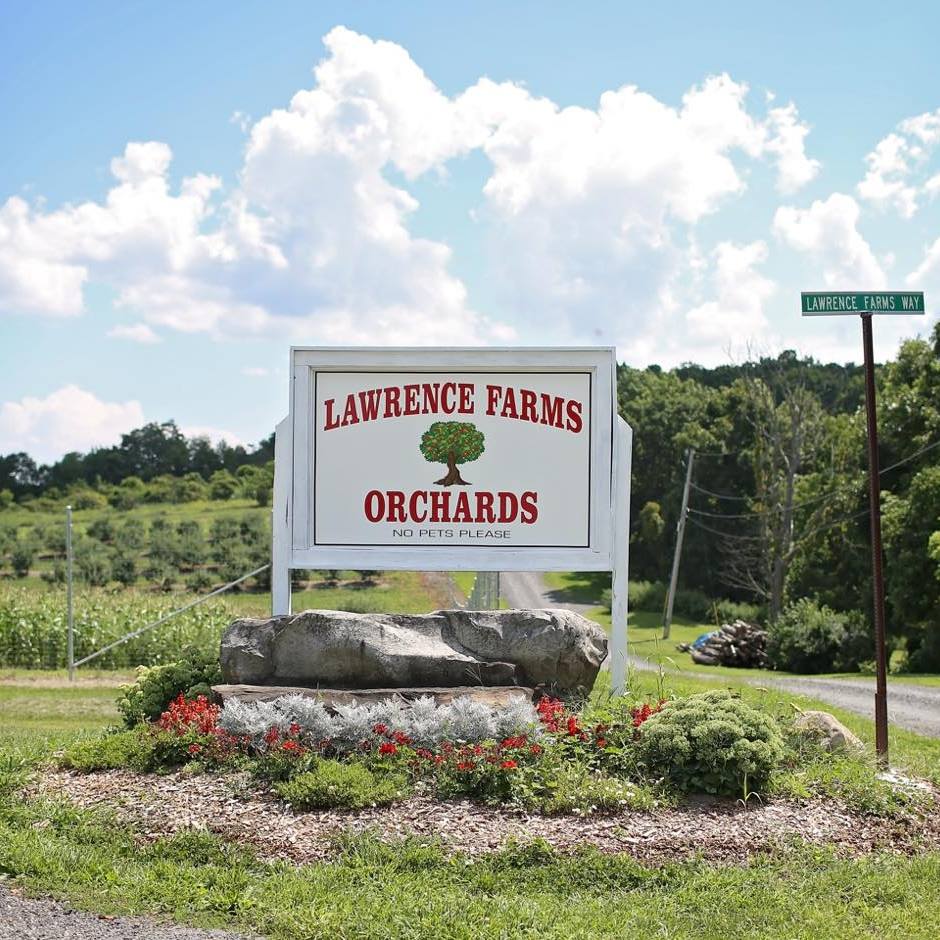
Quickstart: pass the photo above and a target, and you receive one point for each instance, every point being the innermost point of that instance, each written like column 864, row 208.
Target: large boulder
column 335, row 649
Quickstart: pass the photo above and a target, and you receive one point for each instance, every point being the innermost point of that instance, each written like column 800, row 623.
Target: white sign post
column 450, row 459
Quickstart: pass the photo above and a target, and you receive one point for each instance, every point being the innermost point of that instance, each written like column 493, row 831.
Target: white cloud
column 585, row 212
column 136, row 333
column 894, row 178
column 884, row 183
column 214, row 434
column 788, row 146
column 68, row 419
column 828, row 233
column 736, row 315
column 255, row 372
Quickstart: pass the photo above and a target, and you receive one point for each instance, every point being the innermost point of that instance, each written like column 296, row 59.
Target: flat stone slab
column 335, row 649
column 494, row 696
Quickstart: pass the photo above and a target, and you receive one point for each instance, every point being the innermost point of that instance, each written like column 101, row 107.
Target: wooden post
column 70, row 651
column 680, row 535
column 878, row 584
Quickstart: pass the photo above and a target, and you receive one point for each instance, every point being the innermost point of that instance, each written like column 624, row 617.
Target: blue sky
column 451, row 175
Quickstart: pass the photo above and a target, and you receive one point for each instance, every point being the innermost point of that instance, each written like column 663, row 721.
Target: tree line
column 147, row 453
column 779, row 501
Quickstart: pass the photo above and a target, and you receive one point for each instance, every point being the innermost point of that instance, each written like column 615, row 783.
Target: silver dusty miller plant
column 423, row 721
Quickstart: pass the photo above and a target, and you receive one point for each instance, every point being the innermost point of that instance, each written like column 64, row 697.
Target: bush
column 562, row 787
column 809, row 638
column 132, row 749
column 22, row 557
column 711, row 742
column 350, row 786
column 157, row 686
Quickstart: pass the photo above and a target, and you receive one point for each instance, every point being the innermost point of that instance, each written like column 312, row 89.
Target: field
column 33, row 621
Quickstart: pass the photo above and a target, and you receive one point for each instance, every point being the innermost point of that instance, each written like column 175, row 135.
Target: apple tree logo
column 453, row 443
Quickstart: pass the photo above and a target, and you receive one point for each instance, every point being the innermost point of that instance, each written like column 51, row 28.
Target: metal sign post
column 68, row 590
column 830, row 303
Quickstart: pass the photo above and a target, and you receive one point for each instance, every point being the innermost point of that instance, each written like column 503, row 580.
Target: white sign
column 450, row 459
column 474, row 459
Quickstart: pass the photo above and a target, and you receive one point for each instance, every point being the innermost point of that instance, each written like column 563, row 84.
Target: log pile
column 735, row 644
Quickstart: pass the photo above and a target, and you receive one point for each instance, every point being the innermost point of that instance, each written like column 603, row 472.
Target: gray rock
column 826, row 730
column 495, row 696
column 336, row 649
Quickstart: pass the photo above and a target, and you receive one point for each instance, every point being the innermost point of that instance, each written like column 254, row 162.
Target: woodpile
column 735, row 644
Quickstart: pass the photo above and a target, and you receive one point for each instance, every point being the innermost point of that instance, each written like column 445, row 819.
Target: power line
column 807, row 502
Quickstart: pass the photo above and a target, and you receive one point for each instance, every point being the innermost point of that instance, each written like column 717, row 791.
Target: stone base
column 494, row 696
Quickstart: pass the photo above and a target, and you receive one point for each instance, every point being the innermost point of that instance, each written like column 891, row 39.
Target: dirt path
column 914, row 707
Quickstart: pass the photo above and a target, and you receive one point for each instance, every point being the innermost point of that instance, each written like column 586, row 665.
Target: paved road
column 915, row 707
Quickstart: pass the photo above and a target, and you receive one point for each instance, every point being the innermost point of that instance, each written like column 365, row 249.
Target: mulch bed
column 722, row 830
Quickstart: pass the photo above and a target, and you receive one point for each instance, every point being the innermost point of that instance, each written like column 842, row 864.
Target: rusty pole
column 877, row 570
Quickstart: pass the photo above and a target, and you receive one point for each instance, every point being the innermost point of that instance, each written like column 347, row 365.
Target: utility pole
column 68, row 589
column 680, row 534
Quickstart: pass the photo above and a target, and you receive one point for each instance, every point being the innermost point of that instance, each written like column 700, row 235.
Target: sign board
column 827, row 303
column 436, row 459
column 472, row 459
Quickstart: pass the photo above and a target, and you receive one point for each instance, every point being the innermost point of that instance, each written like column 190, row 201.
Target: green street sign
column 829, row 303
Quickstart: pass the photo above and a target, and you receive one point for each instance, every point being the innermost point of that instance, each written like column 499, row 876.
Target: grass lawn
column 414, row 889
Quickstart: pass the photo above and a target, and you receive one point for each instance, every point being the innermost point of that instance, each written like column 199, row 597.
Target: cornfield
column 33, row 628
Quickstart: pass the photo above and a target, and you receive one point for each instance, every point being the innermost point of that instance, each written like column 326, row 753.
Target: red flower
column 195, row 748
column 401, row 738
column 509, row 765
column 602, row 742
column 380, row 728
column 573, row 726
column 386, row 747
column 292, row 747
column 535, row 748
column 294, row 729
column 272, row 736
column 466, row 765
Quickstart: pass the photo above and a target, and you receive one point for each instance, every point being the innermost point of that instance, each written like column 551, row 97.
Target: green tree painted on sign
column 453, row 443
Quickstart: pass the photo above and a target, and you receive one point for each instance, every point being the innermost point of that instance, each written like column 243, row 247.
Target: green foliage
column 559, row 786
column 222, row 485
column 332, row 784
column 156, row 686
column 22, row 556
column 809, row 638
column 456, row 440
column 132, row 749
column 712, row 742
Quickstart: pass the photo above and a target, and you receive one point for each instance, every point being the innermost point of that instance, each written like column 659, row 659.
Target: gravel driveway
column 30, row 919
column 914, row 707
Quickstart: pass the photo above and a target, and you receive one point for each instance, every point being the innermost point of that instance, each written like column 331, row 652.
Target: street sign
column 829, row 303
column 841, row 303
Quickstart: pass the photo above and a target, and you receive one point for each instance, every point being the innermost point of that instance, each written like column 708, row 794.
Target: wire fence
column 116, row 630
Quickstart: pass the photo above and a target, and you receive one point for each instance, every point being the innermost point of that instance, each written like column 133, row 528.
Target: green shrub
column 561, row 787
column 711, row 742
column 729, row 611
column 809, row 638
column 350, row 786
column 157, row 686
column 132, row 749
